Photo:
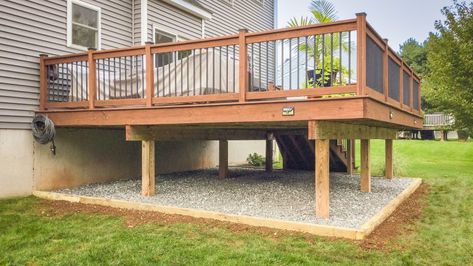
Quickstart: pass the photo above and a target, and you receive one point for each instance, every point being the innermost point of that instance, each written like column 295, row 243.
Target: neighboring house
column 31, row 28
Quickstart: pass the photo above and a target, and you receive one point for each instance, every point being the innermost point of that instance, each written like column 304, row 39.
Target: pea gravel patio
column 286, row 195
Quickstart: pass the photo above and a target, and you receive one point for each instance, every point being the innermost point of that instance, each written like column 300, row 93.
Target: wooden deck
column 322, row 82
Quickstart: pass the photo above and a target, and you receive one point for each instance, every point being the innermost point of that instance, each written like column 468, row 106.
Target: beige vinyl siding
column 172, row 19
column 29, row 28
column 137, row 22
column 229, row 18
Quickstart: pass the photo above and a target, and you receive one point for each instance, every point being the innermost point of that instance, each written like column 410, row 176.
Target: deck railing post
column 149, row 74
column 385, row 70
column 43, row 85
column 243, row 71
column 361, row 52
column 411, row 90
column 420, row 99
column 92, row 82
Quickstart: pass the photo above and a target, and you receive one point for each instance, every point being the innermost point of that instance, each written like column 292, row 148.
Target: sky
column 396, row 20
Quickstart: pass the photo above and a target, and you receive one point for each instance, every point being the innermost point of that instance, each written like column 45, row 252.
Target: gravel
column 286, row 195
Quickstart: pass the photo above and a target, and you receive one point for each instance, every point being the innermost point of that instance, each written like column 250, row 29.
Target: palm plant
column 322, row 48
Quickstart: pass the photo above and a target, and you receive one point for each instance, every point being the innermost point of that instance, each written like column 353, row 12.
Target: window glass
column 85, row 26
column 164, row 58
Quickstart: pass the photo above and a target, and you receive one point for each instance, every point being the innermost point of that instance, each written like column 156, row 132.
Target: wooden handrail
column 243, row 40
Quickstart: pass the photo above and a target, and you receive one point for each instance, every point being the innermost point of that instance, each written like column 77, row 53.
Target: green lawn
column 444, row 234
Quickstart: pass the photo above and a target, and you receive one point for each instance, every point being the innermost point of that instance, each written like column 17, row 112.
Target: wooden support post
column 361, row 52
column 223, row 158
column 365, row 182
column 389, row 159
column 147, row 168
column 43, row 82
column 322, row 187
column 243, row 72
column 149, row 75
column 92, row 82
column 269, row 155
column 349, row 157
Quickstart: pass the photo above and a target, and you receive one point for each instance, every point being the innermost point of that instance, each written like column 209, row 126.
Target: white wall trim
column 144, row 22
column 69, row 24
column 190, row 8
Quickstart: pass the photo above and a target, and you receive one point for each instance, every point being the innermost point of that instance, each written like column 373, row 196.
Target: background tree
column 450, row 64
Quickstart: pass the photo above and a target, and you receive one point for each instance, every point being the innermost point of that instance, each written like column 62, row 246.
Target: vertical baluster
column 220, row 70
column 290, row 64
column 207, row 68
column 349, row 57
column 259, row 64
column 323, row 61
column 175, row 58
column 213, row 69
column 331, row 59
column 252, row 83
column 298, row 63
column 234, row 67
column 282, row 64
column 64, row 88
column 187, row 65
column 306, row 62
column 143, row 90
column 267, row 64
column 314, row 53
column 228, row 59
column 340, row 63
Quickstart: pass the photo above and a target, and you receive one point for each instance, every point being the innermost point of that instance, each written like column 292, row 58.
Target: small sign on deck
column 288, row 111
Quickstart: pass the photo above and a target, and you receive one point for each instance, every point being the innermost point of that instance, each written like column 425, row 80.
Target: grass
column 444, row 234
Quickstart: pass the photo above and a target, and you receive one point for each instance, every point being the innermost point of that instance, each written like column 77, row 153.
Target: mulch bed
column 399, row 223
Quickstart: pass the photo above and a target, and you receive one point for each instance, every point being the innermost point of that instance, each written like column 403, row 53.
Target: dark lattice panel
column 374, row 65
column 393, row 79
column 415, row 92
column 405, row 89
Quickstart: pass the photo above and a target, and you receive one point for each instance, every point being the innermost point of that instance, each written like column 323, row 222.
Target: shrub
column 256, row 159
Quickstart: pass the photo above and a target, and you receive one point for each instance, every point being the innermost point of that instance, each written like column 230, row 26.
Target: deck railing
column 438, row 120
column 342, row 59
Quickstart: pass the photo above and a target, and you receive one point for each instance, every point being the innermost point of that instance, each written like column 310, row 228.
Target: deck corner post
column 222, row 159
column 269, row 155
column 149, row 74
column 361, row 52
column 365, row 182
column 92, row 82
column 389, row 159
column 322, row 178
column 243, row 72
column 148, row 186
column 43, row 75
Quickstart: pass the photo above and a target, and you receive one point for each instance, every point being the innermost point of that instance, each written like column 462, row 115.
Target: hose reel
column 44, row 131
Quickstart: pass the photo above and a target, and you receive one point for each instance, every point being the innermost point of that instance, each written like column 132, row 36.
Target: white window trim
column 69, row 24
column 167, row 31
column 190, row 8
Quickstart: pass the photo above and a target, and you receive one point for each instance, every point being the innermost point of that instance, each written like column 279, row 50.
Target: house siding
column 29, row 28
column 173, row 20
column 229, row 18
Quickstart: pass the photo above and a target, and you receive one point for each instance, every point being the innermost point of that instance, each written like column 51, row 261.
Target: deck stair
column 298, row 153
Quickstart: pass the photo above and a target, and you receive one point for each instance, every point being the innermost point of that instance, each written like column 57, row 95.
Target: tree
column 322, row 11
column 450, row 64
column 415, row 55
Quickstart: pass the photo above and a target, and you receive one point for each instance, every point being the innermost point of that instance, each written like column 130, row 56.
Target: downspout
column 144, row 21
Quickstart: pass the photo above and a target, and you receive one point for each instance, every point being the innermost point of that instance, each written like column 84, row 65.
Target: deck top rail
column 340, row 59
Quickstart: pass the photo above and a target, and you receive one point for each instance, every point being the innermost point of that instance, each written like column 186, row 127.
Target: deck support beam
column 365, row 182
column 222, row 159
column 389, row 172
column 148, row 187
column 269, row 155
column 322, row 178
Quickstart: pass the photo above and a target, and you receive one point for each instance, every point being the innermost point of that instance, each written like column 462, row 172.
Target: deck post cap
column 243, row 30
column 149, row 42
column 385, row 39
column 43, row 55
column 91, row 49
column 361, row 14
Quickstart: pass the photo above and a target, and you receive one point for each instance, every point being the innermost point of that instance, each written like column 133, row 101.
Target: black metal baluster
column 234, row 67
column 226, row 72
column 331, row 59
column 340, row 63
column 290, row 64
column 267, row 64
column 323, row 60
column 282, row 64
column 175, row 55
column 259, row 63
column 306, row 84
column 213, row 70
column 349, row 57
column 207, row 69
column 314, row 53
column 252, row 67
column 298, row 62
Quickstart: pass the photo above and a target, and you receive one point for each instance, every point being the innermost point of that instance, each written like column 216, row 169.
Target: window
column 83, row 25
column 165, row 37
